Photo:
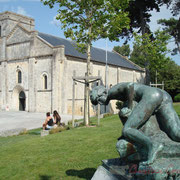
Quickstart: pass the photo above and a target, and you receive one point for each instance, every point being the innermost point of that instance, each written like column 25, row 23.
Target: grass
column 71, row 154
column 177, row 108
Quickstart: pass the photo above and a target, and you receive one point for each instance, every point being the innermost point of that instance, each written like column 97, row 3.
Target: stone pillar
column 3, row 49
column 4, row 85
column 32, row 86
column 4, row 78
column 55, row 79
column 32, row 79
column 63, row 74
column 134, row 76
column 118, row 74
column 63, row 87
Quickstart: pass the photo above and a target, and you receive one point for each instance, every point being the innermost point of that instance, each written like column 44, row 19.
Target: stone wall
column 8, row 20
column 114, row 75
column 43, row 67
column 21, row 49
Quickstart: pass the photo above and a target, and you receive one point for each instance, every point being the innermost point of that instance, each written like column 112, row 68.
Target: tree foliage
column 87, row 21
column 172, row 26
column 151, row 54
column 170, row 75
column 124, row 50
column 175, row 10
column 139, row 14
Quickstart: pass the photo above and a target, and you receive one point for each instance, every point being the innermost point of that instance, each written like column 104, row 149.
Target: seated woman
column 57, row 118
column 48, row 124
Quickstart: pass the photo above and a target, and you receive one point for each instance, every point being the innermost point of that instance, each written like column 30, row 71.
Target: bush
column 177, row 98
column 119, row 105
column 70, row 122
column 107, row 115
column 58, row 129
column 23, row 132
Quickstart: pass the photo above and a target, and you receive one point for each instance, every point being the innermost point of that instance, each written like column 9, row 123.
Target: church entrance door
column 22, row 101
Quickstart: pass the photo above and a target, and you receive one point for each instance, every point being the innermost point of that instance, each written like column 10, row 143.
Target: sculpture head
column 98, row 95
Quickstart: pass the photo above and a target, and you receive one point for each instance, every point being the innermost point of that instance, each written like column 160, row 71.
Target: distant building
column 36, row 69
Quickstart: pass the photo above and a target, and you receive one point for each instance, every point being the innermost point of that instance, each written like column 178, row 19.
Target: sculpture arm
column 118, row 92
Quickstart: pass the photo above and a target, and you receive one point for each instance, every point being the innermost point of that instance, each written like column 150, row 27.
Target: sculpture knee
column 126, row 131
column 175, row 135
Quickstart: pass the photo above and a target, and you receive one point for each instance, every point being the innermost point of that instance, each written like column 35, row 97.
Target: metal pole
column 106, row 83
column 156, row 79
column 163, row 85
column 73, row 99
column 98, row 103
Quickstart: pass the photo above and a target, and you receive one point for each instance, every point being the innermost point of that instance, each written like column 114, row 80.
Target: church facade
column 36, row 69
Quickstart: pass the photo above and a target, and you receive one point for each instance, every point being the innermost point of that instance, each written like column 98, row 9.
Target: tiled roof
column 97, row 54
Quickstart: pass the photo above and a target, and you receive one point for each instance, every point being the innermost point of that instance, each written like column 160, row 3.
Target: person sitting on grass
column 48, row 124
column 57, row 118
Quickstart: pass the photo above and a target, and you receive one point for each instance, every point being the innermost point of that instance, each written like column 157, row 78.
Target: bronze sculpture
column 150, row 101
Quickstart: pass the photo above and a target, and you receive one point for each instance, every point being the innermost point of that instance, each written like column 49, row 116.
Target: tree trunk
column 86, row 110
column 86, row 115
column 143, row 24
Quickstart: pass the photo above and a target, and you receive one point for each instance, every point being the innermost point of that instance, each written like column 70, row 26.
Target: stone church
column 36, row 69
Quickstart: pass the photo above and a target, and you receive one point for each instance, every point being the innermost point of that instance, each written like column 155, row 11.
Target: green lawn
column 71, row 154
column 177, row 108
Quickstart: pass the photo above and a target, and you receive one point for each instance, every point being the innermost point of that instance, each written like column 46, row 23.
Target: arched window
column 19, row 76
column 45, row 81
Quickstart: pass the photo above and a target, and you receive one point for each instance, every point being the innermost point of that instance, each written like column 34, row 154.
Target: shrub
column 119, row 105
column 70, row 122
column 23, row 132
column 58, row 129
column 177, row 98
column 107, row 115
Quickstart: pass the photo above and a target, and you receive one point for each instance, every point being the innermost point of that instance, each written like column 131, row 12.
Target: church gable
column 41, row 47
column 18, row 35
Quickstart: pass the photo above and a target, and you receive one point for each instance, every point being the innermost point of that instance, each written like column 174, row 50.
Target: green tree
column 124, row 50
column 172, row 26
column 175, row 10
column 151, row 54
column 140, row 14
column 85, row 21
column 170, row 75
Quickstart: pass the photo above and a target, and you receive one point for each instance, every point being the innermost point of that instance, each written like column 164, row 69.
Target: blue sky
column 45, row 20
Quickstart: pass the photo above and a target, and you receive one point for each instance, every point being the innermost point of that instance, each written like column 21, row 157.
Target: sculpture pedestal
column 112, row 169
column 165, row 167
column 116, row 169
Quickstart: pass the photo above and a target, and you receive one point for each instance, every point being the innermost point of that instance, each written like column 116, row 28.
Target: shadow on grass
column 35, row 131
column 44, row 177
column 86, row 173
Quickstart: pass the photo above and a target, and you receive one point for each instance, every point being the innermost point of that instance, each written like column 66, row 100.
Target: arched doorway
column 22, row 101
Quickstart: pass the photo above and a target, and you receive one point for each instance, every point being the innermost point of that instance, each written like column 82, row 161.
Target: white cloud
column 21, row 10
column 18, row 10
column 55, row 22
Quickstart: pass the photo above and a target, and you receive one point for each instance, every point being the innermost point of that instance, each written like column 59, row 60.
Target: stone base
column 117, row 169
column 44, row 132
column 112, row 169
column 161, row 169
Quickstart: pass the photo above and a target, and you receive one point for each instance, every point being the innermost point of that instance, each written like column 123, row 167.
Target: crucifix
column 86, row 80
